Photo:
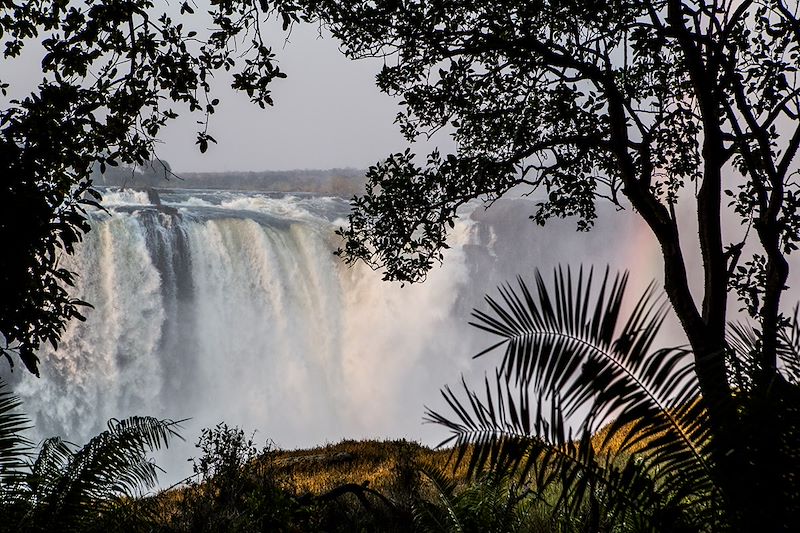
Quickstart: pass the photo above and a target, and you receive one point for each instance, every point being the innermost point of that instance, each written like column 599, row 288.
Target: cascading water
column 230, row 306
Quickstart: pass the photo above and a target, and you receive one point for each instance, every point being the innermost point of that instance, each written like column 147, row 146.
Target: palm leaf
column 789, row 348
column 444, row 517
column 48, row 468
column 745, row 343
column 14, row 446
column 567, row 348
column 68, row 484
column 493, row 503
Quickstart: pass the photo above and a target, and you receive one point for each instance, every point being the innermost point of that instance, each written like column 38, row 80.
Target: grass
column 302, row 490
column 376, row 463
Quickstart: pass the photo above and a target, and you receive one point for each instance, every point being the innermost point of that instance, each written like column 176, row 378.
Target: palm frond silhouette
column 494, row 504
column 582, row 401
column 64, row 487
column 15, row 448
column 67, row 484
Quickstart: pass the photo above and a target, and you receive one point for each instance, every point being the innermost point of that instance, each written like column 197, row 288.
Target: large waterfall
column 231, row 306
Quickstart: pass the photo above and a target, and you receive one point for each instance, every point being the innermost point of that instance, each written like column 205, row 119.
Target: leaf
column 30, row 360
column 14, row 446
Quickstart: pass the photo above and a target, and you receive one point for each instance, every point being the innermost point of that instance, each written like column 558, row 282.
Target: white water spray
column 231, row 306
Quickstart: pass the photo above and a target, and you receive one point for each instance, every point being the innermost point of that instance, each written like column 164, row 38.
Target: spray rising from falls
column 231, row 306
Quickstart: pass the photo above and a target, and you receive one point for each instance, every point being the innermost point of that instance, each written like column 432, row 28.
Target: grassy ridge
column 387, row 486
column 321, row 469
column 376, row 463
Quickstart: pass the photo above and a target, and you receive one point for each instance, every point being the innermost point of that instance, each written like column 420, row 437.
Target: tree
column 112, row 70
column 640, row 456
column 644, row 103
column 234, row 487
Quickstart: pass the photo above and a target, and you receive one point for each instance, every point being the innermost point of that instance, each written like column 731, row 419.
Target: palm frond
column 442, row 517
column 48, row 469
column 745, row 343
column 789, row 347
column 493, row 504
column 548, row 454
column 67, row 484
column 14, row 446
column 566, row 348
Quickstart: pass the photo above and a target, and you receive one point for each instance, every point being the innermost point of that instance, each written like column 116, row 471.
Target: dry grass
column 390, row 468
column 377, row 463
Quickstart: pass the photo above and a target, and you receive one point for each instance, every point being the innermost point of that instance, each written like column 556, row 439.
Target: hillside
column 343, row 182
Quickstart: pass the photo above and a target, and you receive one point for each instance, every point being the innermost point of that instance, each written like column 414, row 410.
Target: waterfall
column 231, row 306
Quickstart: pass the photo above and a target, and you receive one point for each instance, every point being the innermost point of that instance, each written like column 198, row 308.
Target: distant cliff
column 343, row 182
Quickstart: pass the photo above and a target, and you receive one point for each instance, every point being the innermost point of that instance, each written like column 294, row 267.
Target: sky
column 328, row 113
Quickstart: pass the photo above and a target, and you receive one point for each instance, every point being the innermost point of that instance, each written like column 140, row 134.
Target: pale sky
column 327, row 113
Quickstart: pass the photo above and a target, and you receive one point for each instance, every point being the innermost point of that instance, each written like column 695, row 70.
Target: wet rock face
column 152, row 195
